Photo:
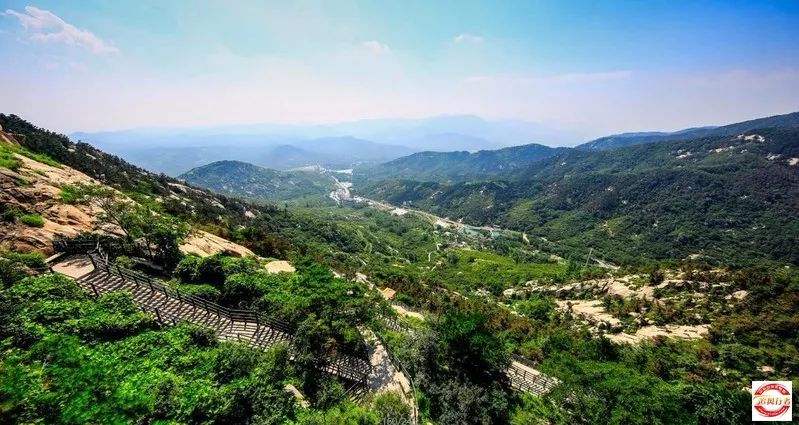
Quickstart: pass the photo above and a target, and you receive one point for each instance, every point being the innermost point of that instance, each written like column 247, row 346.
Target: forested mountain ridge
column 629, row 139
column 251, row 181
column 507, row 162
column 733, row 198
column 459, row 166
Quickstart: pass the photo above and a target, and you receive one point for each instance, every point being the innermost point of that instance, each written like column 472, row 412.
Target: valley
column 356, row 267
column 399, row 213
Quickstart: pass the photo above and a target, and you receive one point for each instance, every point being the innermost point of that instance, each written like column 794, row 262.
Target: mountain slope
column 734, row 198
column 630, row 139
column 33, row 186
column 251, row 181
column 458, row 166
column 264, row 229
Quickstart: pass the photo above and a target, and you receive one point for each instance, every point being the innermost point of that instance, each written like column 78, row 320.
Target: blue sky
column 593, row 67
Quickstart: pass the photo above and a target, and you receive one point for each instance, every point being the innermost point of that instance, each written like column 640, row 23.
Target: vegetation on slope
column 629, row 139
column 249, row 181
column 458, row 166
column 733, row 199
column 53, row 336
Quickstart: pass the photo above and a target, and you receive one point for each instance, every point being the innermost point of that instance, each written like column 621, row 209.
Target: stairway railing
column 343, row 362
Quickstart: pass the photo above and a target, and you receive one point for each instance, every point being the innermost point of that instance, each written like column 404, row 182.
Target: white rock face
column 752, row 138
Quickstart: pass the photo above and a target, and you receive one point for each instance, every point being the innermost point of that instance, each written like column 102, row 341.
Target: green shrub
column 10, row 212
column 70, row 194
column 31, row 259
column 404, row 298
column 10, row 272
column 233, row 265
column 115, row 315
column 392, row 409
column 186, row 269
column 235, row 361
column 201, row 290
column 210, row 270
column 124, row 261
column 32, row 219
column 44, row 287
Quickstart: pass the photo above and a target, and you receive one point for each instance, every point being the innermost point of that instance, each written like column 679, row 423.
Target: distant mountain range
column 729, row 192
column 504, row 163
column 176, row 154
column 175, row 150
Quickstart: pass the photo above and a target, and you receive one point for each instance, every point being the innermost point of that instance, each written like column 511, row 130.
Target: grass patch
column 7, row 159
column 70, row 194
column 32, row 219
column 476, row 269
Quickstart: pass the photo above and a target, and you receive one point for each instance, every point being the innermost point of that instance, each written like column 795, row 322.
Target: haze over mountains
column 174, row 151
column 343, row 145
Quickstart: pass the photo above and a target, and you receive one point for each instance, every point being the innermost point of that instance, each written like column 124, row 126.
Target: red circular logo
column 772, row 399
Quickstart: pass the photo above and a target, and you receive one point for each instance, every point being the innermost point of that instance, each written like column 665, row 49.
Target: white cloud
column 467, row 38
column 45, row 26
column 593, row 76
column 376, row 47
column 571, row 77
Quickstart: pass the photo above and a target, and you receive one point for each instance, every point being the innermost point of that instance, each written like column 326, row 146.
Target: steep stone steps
column 170, row 307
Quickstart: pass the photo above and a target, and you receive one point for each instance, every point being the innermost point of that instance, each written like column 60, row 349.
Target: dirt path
column 384, row 377
column 405, row 312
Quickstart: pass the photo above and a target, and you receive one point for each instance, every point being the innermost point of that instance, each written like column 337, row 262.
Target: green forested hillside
column 69, row 358
column 732, row 198
column 630, row 139
column 459, row 166
column 251, row 181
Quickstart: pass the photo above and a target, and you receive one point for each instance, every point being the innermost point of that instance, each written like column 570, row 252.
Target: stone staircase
column 523, row 377
column 170, row 306
column 171, row 310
